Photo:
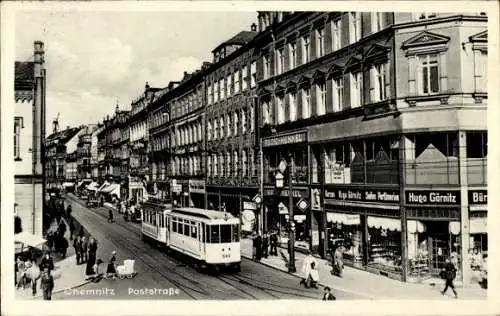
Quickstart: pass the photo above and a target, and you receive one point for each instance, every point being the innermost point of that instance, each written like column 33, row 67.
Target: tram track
column 146, row 257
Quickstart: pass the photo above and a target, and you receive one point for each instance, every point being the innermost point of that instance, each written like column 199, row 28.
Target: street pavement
column 363, row 283
column 164, row 275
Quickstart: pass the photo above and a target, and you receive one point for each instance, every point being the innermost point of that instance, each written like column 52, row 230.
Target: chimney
column 253, row 27
column 38, row 109
column 146, row 87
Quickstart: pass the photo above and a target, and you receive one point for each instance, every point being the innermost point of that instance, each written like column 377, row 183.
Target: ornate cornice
column 21, row 96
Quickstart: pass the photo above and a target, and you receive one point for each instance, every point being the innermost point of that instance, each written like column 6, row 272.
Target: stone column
column 464, row 208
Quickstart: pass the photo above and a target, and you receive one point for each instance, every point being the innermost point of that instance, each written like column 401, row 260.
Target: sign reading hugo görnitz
column 434, row 197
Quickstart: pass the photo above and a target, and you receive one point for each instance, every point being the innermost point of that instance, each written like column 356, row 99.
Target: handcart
column 126, row 271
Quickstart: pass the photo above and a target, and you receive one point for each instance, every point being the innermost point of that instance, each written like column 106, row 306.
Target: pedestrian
column 327, row 295
column 77, row 244
column 62, row 227
column 47, row 262
column 258, row 247
column 84, row 248
column 91, row 260
column 110, row 216
column 338, row 261
column 306, row 267
column 20, row 266
column 274, row 244
column 449, row 273
column 64, row 246
column 265, row 245
column 81, row 232
column 71, row 228
column 33, row 274
column 68, row 211
column 111, row 270
column 47, row 284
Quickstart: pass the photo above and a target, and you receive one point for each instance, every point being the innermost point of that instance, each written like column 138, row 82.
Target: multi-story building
column 138, row 144
column 232, row 155
column 109, row 152
column 60, row 156
column 185, row 127
column 94, row 153
column 381, row 120
column 83, row 152
column 159, row 134
column 29, row 134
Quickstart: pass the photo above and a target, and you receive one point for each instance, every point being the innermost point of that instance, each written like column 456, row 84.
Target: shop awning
column 384, row 223
column 104, row 185
column 111, row 189
column 93, row 186
column 341, row 218
column 68, row 184
column 29, row 239
column 478, row 225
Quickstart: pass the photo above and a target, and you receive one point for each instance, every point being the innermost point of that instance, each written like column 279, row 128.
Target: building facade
column 232, row 155
column 83, row 152
column 186, row 171
column 29, row 134
column 370, row 112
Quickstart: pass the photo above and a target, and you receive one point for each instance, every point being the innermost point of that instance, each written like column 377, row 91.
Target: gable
column 480, row 37
column 376, row 50
column 425, row 39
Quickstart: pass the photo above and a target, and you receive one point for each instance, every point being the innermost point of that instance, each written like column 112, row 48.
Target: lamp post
column 291, row 242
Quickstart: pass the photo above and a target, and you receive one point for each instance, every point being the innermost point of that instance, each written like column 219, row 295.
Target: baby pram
column 126, row 270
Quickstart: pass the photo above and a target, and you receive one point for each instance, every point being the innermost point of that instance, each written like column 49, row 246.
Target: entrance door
column 439, row 251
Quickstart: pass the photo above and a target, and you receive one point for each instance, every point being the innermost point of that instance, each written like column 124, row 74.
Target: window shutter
column 347, row 92
column 329, row 96
column 328, row 37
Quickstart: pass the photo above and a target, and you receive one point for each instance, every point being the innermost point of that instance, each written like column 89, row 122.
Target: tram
column 209, row 238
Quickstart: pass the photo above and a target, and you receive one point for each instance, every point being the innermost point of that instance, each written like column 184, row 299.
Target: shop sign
column 478, row 196
column 296, row 193
column 438, row 197
column 315, row 199
column 338, row 175
column 362, row 195
column 282, row 209
column 299, row 218
column 197, row 186
column 177, row 188
column 284, row 139
column 249, row 206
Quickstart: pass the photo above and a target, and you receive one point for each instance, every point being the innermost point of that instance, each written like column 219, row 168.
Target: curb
column 368, row 297
column 70, row 287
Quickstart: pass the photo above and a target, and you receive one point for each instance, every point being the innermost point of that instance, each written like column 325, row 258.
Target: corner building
column 381, row 119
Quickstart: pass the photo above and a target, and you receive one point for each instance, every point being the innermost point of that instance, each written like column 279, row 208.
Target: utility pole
column 291, row 241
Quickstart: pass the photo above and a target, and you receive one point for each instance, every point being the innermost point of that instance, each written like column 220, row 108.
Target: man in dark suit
column 328, row 296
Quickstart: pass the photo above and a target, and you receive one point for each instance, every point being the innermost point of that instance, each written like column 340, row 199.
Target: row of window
column 232, row 164
column 232, row 83
column 229, row 124
column 186, row 166
column 184, row 227
column 301, row 51
column 187, row 134
column 158, row 119
column 325, row 97
column 138, row 131
column 187, row 103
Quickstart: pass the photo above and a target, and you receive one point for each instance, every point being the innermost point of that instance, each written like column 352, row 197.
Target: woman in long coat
column 89, row 270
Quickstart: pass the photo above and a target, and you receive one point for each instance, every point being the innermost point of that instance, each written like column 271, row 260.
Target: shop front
column 433, row 232
column 180, row 192
column 366, row 225
column 136, row 189
column 229, row 198
column 478, row 230
column 196, row 193
column 276, row 207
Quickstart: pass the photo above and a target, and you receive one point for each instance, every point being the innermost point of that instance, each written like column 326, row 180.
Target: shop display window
column 345, row 230
column 384, row 243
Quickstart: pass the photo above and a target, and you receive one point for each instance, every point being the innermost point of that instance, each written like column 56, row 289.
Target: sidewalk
column 364, row 283
column 67, row 274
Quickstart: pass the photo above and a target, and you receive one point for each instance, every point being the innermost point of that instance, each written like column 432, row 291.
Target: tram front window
column 214, row 234
column 225, row 233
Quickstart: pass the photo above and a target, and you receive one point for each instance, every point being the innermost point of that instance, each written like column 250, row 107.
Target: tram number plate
column 226, row 255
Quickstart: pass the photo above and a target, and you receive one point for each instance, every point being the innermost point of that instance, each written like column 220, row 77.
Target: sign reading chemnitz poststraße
column 362, row 195
column 284, row 139
column 432, row 197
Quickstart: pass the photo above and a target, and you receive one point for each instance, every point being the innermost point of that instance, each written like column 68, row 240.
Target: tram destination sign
column 284, row 139
column 434, row 197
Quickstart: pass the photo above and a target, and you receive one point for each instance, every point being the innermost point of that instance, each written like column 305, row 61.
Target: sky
column 94, row 59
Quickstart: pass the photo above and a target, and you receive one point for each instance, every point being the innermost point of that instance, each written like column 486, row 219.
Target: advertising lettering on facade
column 197, row 186
column 362, row 195
column 436, row 197
column 285, row 139
column 296, row 193
column 478, row 196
